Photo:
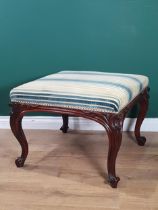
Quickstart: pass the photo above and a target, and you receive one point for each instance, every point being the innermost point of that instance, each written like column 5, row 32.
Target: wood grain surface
column 66, row 171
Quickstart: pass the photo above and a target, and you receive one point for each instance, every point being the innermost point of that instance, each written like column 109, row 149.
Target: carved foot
column 64, row 129
column 113, row 181
column 141, row 140
column 19, row 162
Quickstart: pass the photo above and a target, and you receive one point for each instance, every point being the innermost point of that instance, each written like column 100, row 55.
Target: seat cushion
column 82, row 90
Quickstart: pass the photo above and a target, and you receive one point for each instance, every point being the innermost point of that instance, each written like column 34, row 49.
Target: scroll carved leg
column 143, row 104
column 65, row 127
column 15, row 123
column 114, row 130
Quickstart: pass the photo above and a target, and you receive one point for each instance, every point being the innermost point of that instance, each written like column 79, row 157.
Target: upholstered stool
column 103, row 97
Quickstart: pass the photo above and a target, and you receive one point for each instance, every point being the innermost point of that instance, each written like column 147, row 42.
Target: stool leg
column 114, row 131
column 143, row 104
column 65, row 127
column 16, row 127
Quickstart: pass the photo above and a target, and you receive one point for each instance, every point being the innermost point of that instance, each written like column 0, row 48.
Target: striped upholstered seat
column 88, row 90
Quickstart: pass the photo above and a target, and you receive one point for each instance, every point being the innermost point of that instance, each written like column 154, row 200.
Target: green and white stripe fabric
column 82, row 90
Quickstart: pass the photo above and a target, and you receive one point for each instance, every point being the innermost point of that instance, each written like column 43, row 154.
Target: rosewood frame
column 112, row 122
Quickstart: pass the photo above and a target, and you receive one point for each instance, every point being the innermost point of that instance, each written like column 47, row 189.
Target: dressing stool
column 103, row 97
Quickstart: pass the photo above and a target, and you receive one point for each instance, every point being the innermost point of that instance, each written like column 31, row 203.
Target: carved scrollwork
column 117, row 122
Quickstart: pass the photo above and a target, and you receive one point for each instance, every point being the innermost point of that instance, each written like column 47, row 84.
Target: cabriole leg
column 114, row 130
column 16, row 127
column 143, row 107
